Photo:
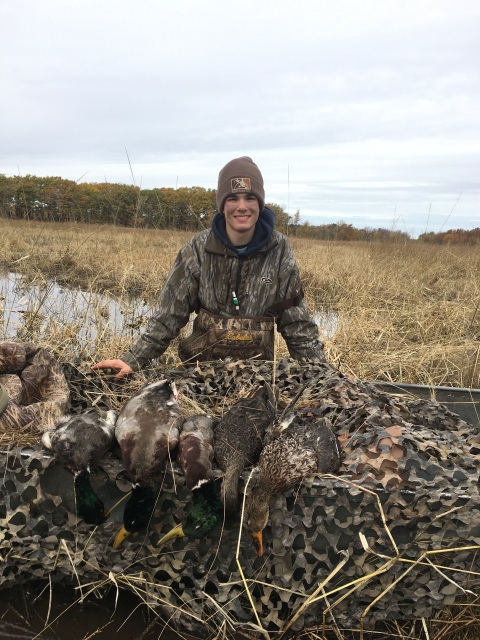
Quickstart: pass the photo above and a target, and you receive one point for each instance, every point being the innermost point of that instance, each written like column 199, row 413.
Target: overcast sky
column 370, row 106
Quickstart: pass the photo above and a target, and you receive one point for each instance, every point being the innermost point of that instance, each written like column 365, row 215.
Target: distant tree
column 188, row 208
column 282, row 219
column 452, row 236
column 296, row 220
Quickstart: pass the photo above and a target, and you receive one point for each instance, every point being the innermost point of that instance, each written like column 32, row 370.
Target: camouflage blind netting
column 395, row 535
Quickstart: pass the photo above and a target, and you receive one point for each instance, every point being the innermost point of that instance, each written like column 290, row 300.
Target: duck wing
column 284, row 420
column 195, row 450
column 301, row 449
column 240, row 432
column 326, row 446
column 147, row 428
column 285, row 461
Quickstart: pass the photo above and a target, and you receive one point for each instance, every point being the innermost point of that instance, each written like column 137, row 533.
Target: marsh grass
column 406, row 311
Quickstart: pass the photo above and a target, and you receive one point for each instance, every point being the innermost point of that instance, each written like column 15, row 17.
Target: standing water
column 78, row 322
column 75, row 321
column 39, row 610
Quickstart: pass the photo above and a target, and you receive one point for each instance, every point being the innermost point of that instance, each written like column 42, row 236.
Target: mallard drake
column 204, row 514
column 239, row 441
column 147, row 429
column 296, row 447
column 79, row 442
column 195, row 456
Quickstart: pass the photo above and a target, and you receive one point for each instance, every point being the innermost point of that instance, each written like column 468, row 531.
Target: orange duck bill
column 258, row 542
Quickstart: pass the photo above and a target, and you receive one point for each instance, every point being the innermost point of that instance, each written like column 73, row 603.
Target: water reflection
column 80, row 321
column 44, row 308
column 327, row 322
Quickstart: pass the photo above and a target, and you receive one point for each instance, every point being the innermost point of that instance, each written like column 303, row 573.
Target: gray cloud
column 372, row 105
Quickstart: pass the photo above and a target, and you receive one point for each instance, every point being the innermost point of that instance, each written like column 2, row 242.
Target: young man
column 240, row 277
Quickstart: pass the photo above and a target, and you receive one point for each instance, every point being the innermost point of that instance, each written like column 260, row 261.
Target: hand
column 124, row 368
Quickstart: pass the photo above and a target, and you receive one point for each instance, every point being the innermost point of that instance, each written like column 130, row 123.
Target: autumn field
column 404, row 311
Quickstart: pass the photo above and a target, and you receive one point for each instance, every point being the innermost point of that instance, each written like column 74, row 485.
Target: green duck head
column 138, row 511
column 88, row 504
column 205, row 512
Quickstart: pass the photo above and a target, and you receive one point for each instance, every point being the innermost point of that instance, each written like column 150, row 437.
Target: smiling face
column 241, row 214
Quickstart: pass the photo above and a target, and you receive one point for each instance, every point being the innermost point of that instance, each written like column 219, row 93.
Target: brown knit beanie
column 240, row 175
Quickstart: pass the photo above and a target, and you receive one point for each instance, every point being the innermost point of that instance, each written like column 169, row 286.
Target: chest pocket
column 241, row 337
column 220, row 277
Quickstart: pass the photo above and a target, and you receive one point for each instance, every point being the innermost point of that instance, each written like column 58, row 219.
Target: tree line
column 343, row 231
column 452, row 236
column 54, row 199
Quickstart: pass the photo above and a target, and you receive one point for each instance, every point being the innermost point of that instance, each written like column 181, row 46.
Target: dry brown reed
column 92, row 257
column 405, row 312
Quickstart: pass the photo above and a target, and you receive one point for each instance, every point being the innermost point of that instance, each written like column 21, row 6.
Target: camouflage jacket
column 199, row 277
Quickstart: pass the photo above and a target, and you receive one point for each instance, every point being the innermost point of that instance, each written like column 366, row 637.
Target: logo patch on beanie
column 240, row 184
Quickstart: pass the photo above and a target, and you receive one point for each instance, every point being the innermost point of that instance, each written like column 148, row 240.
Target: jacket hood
column 262, row 235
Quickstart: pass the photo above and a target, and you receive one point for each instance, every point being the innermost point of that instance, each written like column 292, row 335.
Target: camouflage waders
column 204, row 277
column 241, row 337
column 35, row 386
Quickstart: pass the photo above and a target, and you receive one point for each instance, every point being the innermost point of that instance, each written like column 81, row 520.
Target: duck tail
column 229, row 491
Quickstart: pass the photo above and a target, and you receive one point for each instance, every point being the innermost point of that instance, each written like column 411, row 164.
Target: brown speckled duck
column 239, row 441
column 296, row 447
column 147, row 428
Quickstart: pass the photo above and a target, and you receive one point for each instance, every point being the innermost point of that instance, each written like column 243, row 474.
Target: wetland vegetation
column 405, row 311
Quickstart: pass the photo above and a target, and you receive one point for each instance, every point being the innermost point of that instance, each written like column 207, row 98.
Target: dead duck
column 195, row 456
column 239, row 441
column 79, row 442
column 204, row 514
column 195, row 450
column 147, row 429
column 296, row 447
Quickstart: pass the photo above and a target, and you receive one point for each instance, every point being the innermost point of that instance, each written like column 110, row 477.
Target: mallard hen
column 147, row 429
column 195, row 456
column 297, row 447
column 79, row 442
column 239, row 440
